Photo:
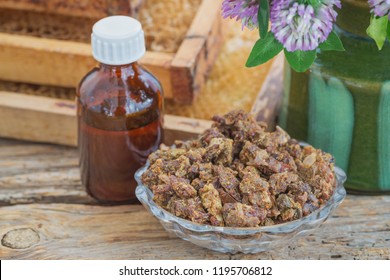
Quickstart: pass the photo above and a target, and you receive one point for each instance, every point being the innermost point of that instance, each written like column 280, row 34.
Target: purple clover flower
column 380, row 8
column 300, row 26
column 244, row 10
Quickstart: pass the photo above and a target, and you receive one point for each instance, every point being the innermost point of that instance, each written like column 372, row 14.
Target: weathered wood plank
column 86, row 230
column 51, row 120
column 43, row 61
column 39, row 173
column 62, row 63
column 181, row 128
column 197, row 52
column 36, row 118
column 360, row 229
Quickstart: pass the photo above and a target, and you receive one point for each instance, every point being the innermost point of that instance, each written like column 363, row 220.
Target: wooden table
column 46, row 214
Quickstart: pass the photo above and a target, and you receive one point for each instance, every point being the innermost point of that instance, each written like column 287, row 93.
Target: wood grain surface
column 197, row 53
column 46, row 214
column 36, row 60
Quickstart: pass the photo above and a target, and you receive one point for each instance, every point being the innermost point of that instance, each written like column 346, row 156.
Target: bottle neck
column 354, row 17
column 120, row 71
column 115, row 68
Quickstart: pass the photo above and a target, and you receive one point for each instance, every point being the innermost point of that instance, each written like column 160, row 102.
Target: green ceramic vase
column 342, row 104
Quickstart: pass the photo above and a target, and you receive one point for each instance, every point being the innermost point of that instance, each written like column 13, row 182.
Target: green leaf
column 378, row 30
column 263, row 18
column 264, row 49
column 388, row 32
column 300, row 61
column 333, row 43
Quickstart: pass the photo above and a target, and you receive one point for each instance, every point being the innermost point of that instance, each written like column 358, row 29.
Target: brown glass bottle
column 120, row 122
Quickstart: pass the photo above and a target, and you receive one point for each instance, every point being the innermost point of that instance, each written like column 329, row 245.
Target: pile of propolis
column 237, row 174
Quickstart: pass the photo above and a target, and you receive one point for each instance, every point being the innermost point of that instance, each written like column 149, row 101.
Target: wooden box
column 63, row 63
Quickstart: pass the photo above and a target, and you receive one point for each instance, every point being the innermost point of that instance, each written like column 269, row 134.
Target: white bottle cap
column 117, row 40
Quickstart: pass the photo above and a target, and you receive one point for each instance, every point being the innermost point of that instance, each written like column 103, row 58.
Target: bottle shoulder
column 88, row 82
column 132, row 80
column 150, row 79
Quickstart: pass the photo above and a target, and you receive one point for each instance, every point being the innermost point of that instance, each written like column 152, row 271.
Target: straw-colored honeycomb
column 45, row 25
column 230, row 85
column 165, row 24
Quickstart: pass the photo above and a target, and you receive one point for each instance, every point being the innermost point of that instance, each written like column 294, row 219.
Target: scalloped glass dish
column 245, row 240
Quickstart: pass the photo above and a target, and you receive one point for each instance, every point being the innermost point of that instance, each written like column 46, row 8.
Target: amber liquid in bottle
column 120, row 123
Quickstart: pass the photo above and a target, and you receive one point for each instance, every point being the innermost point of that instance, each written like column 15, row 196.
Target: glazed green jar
column 342, row 104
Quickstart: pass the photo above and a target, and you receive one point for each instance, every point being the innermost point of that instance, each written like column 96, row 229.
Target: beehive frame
column 61, row 63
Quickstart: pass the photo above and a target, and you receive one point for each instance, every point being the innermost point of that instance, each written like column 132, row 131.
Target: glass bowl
column 244, row 240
